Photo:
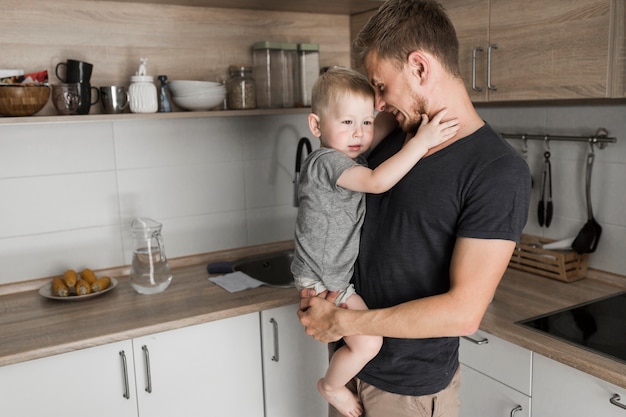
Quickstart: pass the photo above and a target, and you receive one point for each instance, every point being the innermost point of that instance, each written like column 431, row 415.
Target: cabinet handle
column 482, row 341
column 146, row 356
column 516, row 409
column 276, row 356
column 489, row 85
column 615, row 401
column 126, row 393
column 474, row 52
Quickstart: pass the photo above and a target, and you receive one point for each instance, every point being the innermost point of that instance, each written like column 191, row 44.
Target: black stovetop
column 599, row 325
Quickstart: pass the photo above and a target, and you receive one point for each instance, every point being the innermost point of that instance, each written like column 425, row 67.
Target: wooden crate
column 562, row 265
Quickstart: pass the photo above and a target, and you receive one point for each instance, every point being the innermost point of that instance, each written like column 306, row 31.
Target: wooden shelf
column 346, row 7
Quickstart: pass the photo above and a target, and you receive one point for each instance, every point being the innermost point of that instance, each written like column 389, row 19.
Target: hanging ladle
column 587, row 239
column 545, row 208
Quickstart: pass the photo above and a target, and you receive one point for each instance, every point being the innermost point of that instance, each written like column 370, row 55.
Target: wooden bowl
column 23, row 100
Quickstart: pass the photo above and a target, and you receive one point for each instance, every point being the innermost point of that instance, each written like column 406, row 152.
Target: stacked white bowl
column 197, row 95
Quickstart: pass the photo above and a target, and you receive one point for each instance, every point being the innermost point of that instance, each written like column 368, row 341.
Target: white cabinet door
column 292, row 364
column 211, row 369
column 560, row 390
column 499, row 359
column 95, row 382
column 482, row 396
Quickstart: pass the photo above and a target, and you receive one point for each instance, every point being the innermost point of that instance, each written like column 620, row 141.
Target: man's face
column 397, row 91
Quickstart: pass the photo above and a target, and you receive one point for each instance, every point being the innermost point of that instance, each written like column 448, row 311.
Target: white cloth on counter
column 236, row 281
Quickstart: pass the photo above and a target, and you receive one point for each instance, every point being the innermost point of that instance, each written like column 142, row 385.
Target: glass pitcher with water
column 149, row 271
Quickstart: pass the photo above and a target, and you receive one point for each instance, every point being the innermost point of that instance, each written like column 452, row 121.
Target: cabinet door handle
column 126, row 393
column 146, row 356
column 615, row 401
column 482, row 341
column 490, row 86
column 276, row 356
column 474, row 52
column 516, row 409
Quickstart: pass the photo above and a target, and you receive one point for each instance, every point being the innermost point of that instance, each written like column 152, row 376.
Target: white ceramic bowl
column 189, row 86
column 202, row 92
column 199, row 102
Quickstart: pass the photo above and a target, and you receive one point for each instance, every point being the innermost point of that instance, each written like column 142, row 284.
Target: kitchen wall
column 70, row 190
column 608, row 181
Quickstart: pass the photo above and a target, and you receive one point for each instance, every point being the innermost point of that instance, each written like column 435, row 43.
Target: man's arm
column 476, row 269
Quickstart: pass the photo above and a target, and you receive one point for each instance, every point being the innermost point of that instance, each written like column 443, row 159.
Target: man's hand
column 317, row 314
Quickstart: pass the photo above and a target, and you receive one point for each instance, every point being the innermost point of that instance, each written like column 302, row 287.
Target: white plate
column 46, row 291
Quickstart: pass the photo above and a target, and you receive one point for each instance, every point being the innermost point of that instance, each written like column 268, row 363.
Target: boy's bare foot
column 341, row 398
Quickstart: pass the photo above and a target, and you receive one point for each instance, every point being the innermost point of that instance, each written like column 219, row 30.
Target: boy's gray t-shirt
column 328, row 225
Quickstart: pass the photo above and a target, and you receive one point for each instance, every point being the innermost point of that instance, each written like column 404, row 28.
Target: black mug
column 86, row 97
column 75, row 71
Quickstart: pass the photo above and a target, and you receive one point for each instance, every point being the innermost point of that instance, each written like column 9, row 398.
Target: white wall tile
column 58, row 148
column 48, row 254
column 167, row 142
column 271, row 224
column 59, row 202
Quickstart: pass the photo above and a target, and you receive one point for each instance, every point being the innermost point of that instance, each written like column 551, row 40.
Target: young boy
column 333, row 181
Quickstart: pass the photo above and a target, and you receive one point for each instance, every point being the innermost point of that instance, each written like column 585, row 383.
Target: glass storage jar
column 241, row 88
column 308, row 71
column 268, row 63
column 289, row 74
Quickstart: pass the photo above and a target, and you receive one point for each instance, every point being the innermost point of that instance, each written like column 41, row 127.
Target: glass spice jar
column 241, row 88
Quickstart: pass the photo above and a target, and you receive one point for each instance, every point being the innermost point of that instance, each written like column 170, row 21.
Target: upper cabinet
column 537, row 50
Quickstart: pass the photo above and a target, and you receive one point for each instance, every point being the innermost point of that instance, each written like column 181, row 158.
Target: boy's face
column 347, row 125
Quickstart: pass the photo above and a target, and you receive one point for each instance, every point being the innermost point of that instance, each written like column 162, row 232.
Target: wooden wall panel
column 180, row 41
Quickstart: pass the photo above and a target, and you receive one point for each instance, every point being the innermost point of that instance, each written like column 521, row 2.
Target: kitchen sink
column 274, row 269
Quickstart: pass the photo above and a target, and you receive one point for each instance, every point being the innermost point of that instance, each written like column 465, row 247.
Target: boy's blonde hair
column 335, row 83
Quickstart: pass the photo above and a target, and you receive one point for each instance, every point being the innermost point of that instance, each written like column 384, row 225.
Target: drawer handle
column 615, row 401
column 516, row 409
column 146, row 356
column 276, row 356
column 482, row 341
column 126, row 393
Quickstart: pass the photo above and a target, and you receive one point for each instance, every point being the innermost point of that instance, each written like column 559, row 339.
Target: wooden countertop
column 35, row 327
column 521, row 296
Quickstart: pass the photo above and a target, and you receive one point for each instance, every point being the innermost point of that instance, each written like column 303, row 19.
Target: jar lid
column 141, row 78
column 267, row 45
column 289, row 46
column 312, row 47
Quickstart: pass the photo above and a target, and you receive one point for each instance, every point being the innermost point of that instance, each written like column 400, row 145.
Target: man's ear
column 419, row 65
column 314, row 125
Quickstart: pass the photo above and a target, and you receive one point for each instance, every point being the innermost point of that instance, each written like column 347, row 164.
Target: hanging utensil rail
column 601, row 138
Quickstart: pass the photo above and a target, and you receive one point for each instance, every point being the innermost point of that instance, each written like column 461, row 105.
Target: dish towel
column 236, row 281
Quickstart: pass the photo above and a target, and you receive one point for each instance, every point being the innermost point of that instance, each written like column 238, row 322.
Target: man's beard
column 413, row 121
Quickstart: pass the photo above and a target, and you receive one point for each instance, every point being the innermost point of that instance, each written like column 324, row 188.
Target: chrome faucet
column 296, row 179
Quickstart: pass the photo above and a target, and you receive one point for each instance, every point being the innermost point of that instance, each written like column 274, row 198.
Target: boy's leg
column 345, row 364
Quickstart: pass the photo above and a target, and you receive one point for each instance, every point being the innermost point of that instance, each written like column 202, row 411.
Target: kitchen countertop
column 35, row 327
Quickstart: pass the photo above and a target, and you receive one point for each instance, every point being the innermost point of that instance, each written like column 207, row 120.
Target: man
column 434, row 248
